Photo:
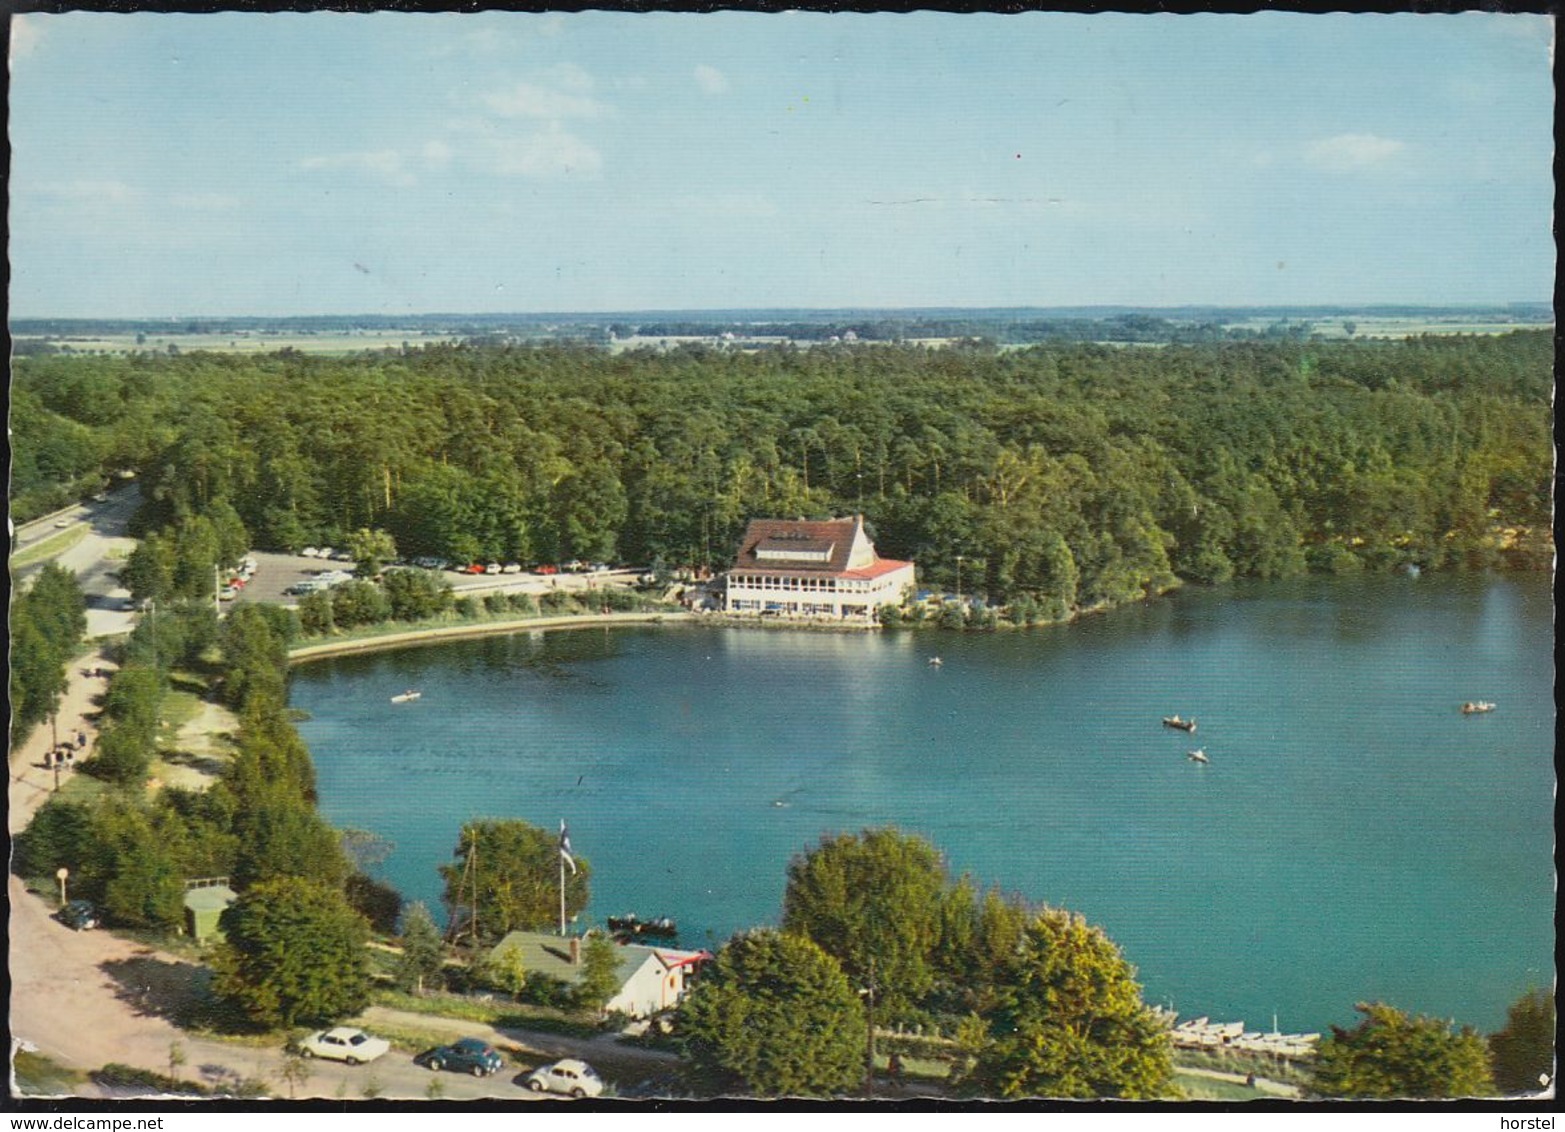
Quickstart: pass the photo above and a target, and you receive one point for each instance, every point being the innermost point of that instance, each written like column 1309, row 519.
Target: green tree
column 506, row 878
column 37, row 672
column 600, row 977
column 505, row 968
column 315, row 614
column 293, row 954
column 371, row 549
column 283, row 835
column 358, row 603
column 1071, row 1022
column 416, row 594
column 423, row 952
column 873, row 902
column 1522, row 1053
column 1391, row 1054
column 776, row 1015
column 122, row 754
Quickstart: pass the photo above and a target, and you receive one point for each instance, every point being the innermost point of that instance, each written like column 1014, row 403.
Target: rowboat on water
column 1198, row 756
column 1181, row 724
column 1476, row 707
column 406, row 697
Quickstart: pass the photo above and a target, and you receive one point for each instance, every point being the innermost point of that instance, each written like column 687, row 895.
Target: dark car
column 79, row 915
column 465, row 1055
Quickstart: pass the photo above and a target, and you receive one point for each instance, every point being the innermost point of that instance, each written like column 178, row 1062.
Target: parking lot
column 276, row 573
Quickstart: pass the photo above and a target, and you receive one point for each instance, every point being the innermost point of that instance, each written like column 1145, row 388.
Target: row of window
column 808, row 585
column 796, row 608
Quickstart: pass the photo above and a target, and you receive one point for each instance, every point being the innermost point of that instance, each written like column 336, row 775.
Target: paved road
column 96, row 559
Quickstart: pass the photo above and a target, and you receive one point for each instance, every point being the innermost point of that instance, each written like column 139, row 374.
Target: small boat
column 1476, row 707
column 1198, row 756
column 1181, row 724
column 630, row 926
column 406, row 697
column 935, row 662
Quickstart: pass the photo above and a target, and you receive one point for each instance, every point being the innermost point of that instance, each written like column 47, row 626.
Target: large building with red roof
column 814, row 569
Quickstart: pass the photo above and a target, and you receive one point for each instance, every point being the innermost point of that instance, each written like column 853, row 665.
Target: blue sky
column 272, row 164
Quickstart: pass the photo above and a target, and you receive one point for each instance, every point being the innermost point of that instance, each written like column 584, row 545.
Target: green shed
column 204, row 903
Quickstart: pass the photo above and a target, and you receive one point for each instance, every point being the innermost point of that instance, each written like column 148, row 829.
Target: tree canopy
column 775, row 1015
column 293, row 953
column 1522, row 1052
column 872, row 901
column 1392, row 1054
column 1071, row 1022
column 506, row 877
column 1065, row 474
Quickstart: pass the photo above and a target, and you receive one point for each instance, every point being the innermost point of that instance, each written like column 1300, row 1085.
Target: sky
column 172, row 165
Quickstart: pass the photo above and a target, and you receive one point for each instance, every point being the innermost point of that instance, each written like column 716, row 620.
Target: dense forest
column 1064, row 475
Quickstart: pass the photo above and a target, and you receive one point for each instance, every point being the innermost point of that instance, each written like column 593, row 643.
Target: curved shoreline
column 481, row 629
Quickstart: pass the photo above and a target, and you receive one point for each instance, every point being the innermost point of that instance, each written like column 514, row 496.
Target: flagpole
column 562, row 893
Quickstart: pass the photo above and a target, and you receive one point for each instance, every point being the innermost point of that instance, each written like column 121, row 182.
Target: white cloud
column 1346, row 152
column 711, row 80
column 529, row 100
column 552, row 153
column 437, row 153
column 386, row 164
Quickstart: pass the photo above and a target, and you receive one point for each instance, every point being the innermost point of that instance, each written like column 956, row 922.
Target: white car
column 344, row 1043
column 571, row 1077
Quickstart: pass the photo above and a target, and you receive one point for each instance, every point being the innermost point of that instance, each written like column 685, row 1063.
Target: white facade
column 825, row 569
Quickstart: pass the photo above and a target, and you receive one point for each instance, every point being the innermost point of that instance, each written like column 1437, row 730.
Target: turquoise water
column 1354, row 836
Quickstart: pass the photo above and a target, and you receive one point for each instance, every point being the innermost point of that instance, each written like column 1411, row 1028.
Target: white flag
column 565, row 848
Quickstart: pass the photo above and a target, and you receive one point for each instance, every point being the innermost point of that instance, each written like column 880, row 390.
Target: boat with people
column 1198, row 756
column 632, row 927
column 935, row 662
column 1477, row 707
column 406, row 697
column 1180, row 724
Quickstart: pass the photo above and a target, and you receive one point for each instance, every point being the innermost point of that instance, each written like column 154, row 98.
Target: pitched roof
column 551, row 955
column 818, row 546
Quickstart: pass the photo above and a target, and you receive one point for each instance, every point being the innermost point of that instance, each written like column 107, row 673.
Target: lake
column 1353, row 837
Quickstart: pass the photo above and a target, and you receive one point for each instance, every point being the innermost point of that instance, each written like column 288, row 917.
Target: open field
column 1370, row 326
column 252, row 342
column 339, row 342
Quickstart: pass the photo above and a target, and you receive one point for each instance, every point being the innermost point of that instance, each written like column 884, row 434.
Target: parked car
column 79, row 915
column 511, row 568
column 492, row 568
column 465, row 1055
column 548, row 570
column 344, row 1043
column 311, row 552
column 570, row 1077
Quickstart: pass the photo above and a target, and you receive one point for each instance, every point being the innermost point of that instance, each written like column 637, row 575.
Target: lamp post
column 60, row 874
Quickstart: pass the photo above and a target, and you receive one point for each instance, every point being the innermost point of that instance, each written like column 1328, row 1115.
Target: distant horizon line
column 733, row 313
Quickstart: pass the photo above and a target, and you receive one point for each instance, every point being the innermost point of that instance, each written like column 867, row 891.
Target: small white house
column 651, row 978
